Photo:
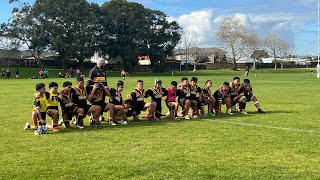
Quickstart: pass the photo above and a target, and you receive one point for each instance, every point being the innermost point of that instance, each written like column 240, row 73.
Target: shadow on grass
column 163, row 122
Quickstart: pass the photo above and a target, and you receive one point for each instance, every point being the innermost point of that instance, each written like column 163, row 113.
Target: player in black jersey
column 156, row 93
column 135, row 102
column 81, row 100
column 69, row 107
column 195, row 97
column 238, row 99
column 249, row 94
column 184, row 94
column 117, row 101
column 208, row 99
column 222, row 96
column 97, row 95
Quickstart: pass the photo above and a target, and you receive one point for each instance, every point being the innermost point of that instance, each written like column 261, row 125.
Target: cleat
column 27, row 126
column 229, row 112
column 187, row 117
column 55, row 129
column 261, row 111
column 60, row 122
column 78, row 127
column 123, row 122
column 112, row 123
column 177, row 118
column 195, row 116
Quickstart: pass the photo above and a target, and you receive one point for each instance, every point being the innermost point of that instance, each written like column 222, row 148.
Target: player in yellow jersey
column 52, row 105
column 39, row 111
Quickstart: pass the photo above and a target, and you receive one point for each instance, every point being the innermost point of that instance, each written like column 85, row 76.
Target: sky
column 295, row 20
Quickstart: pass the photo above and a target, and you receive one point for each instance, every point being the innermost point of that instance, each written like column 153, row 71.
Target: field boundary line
column 266, row 126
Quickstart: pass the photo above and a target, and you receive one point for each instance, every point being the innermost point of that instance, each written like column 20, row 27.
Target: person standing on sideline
column 247, row 71
column 17, row 74
column 98, row 74
column 46, row 73
column 8, row 74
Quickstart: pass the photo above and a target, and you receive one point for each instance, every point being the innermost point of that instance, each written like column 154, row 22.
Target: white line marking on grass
column 266, row 126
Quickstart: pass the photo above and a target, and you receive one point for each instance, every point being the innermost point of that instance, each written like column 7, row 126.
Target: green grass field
column 281, row 144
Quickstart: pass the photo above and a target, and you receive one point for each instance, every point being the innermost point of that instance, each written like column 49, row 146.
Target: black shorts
column 43, row 115
column 68, row 113
column 137, row 109
column 217, row 103
column 85, row 108
column 182, row 102
column 249, row 98
column 49, row 108
column 169, row 103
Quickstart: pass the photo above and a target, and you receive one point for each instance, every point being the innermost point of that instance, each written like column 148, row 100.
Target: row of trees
column 75, row 29
column 240, row 41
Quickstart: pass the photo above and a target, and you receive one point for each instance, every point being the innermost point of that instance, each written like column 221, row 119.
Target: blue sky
column 295, row 20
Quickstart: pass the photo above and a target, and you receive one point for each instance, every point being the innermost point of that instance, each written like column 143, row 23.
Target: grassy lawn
column 281, row 144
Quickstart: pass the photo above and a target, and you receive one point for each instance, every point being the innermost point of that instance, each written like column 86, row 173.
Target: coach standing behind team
column 98, row 74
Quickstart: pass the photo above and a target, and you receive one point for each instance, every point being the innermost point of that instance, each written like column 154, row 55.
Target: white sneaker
column 36, row 132
column 123, row 122
column 112, row 123
column 177, row 118
column 90, row 118
column 60, row 122
column 27, row 126
column 78, row 126
column 195, row 116
column 229, row 112
column 187, row 117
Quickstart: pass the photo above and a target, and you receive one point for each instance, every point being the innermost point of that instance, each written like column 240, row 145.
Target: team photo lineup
column 185, row 99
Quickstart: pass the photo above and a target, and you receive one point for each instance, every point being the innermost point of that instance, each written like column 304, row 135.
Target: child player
column 249, row 94
column 171, row 102
column 39, row 111
column 208, row 98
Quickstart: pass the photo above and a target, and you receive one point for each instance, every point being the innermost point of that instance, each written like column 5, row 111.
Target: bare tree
column 253, row 42
column 277, row 47
column 231, row 35
column 187, row 44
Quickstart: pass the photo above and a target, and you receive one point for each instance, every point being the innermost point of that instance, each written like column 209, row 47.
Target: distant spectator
column 8, row 74
column 71, row 72
column 3, row 73
column 61, row 75
column 67, row 74
column 17, row 73
column 78, row 73
column 247, row 71
column 46, row 73
column 41, row 73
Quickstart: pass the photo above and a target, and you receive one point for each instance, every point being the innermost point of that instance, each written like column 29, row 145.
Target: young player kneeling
column 52, row 105
column 171, row 102
column 136, row 102
column 97, row 96
column 69, row 107
column 183, row 94
column 249, row 94
column 116, row 99
column 208, row 98
column 222, row 96
column 39, row 111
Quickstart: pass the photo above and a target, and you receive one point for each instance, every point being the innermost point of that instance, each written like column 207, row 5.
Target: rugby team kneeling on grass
column 191, row 98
